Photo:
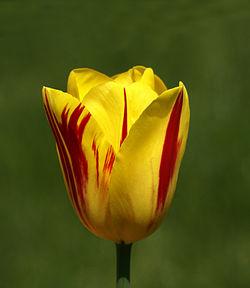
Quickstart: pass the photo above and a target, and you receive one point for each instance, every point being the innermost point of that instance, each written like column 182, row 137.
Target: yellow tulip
column 120, row 142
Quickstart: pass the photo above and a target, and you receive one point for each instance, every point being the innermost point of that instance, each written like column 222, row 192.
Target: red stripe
column 96, row 154
column 169, row 152
column 63, row 155
column 97, row 168
column 109, row 161
column 125, row 120
column 61, row 149
column 71, row 134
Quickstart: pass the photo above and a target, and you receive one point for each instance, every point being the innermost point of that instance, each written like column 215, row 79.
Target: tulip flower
column 120, row 142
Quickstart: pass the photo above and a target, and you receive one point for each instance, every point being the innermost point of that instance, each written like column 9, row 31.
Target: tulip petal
column 81, row 80
column 143, row 74
column 86, row 159
column 149, row 78
column 145, row 172
column 115, row 107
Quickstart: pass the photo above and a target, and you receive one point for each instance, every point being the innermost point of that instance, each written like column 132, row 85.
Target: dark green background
column 205, row 239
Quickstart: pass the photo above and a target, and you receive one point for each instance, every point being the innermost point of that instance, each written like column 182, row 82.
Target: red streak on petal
column 94, row 147
column 62, row 152
column 169, row 152
column 97, row 168
column 109, row 161
column 70, row 135
column 96, row 154
column 125, row 120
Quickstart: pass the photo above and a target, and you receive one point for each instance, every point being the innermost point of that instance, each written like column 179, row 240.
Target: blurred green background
column 205, row 239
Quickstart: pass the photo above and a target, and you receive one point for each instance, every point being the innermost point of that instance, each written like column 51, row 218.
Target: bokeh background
column 205, row 239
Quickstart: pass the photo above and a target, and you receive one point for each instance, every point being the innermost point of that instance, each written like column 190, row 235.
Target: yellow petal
column 142, row 74
column 106, row 104
column 123, row 79
column 139, row 97
column 148, row 77
column 115, row 107
column 160, row 87
column 81, row 80
column 86, row 159
column 145, row 172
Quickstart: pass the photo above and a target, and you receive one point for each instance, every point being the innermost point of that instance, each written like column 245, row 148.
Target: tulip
column 120, row 142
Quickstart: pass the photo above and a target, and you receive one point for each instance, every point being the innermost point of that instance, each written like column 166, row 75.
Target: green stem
column 123, row 252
